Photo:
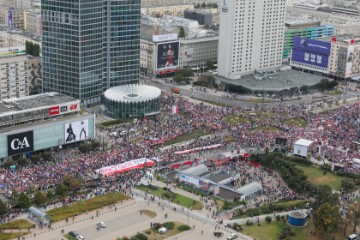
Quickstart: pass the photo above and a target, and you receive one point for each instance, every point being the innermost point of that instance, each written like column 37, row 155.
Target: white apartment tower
column 14, row 81
column 251, row 36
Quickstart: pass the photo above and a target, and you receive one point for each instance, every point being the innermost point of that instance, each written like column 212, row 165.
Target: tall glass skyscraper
column 89, row 46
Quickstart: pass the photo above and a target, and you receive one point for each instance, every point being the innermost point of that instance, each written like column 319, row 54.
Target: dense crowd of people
column 334, row 134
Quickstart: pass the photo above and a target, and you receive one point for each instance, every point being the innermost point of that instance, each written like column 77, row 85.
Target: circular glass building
column 131, row 101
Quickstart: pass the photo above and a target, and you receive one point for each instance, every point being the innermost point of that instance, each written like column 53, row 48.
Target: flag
column 175, row 109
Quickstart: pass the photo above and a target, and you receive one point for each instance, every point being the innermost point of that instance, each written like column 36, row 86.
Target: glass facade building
column 89, row 46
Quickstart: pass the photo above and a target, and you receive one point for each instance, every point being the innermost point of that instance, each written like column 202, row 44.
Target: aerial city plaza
column 179, row 120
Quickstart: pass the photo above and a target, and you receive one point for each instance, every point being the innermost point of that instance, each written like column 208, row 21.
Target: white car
column 232, row 236
column 80, row 237
column 101, row 224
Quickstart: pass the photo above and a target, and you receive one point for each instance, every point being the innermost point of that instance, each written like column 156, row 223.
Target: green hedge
column 183, row 228
column 169, row 225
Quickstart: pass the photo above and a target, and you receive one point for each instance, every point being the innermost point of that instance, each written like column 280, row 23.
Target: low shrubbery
column 183, row 228
column 271, row 208
column 168, row 225
column 17, row 224
column 87, row 147
column 268, row 219
column 231, row 205
column 77, row 208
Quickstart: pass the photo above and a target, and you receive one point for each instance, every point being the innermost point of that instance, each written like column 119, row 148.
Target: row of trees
column 326, row 217
column 25, row 199
column 32, row 49
column 34, row 159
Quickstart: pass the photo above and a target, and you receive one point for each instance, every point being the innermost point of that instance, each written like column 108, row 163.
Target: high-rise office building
column 89, row 46
column 251, row 36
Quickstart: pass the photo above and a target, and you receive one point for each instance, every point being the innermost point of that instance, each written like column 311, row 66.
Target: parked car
column 101, row 224
column 232, row 236
column 76, row 235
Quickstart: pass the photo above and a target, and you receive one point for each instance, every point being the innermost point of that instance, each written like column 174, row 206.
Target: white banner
column 198, row 149
column 123, row 167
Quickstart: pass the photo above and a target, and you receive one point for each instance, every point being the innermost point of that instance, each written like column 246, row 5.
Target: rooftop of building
column 32, row 102
column 57, row 120
column 292, row 22
column 199, row 10
column 34, row 37
column 171, row 24
column 345, row 39
column 164, row 4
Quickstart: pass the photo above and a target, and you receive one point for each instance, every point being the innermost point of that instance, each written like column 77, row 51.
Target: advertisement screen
column 10, row 19
column 311, row 58
column 353, row 61
column 311, row 45
column 189, row 179
column 167, row 55
column 20, row 143
column 76, row 131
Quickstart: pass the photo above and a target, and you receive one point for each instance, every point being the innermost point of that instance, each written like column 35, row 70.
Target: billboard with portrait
column 311, row 52
column 167, row 55
column 76, row 131
column 353, row 61
column 10, row 19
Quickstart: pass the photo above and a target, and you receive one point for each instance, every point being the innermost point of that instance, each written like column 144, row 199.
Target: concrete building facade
column 173, row 10
column 14, row 81
column 251, row 36
column 32, row 22
column 18, row 38
column 345, row 57
column 193, row 52
column 202, row 16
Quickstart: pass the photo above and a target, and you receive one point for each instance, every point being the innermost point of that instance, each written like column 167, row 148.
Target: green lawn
column 233, row 119
column 185, row 137
column 296, row 122
column 75, row 209
column 16, row 224
column 154, row 234
column 266, row 129
column 357, row 199
column 179, row 199
column 316, row 176
column 270, row 231
column 69, row 237
column 8, row 236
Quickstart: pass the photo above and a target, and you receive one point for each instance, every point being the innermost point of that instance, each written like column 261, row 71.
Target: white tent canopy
column 301, row 147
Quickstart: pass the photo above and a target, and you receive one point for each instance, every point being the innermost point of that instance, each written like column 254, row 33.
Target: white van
column 353, row 237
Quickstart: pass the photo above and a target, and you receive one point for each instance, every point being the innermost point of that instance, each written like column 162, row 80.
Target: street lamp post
column 59, row 148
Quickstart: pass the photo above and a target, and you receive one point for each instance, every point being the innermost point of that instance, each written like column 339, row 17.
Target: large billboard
column 10, row 18
column 312, row 45
column 76, row 131
column 167, row 55
column 311, row 52
column 20, row 143
column 353, row 61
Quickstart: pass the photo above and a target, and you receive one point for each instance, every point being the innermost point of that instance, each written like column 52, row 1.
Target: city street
column 127, row 221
